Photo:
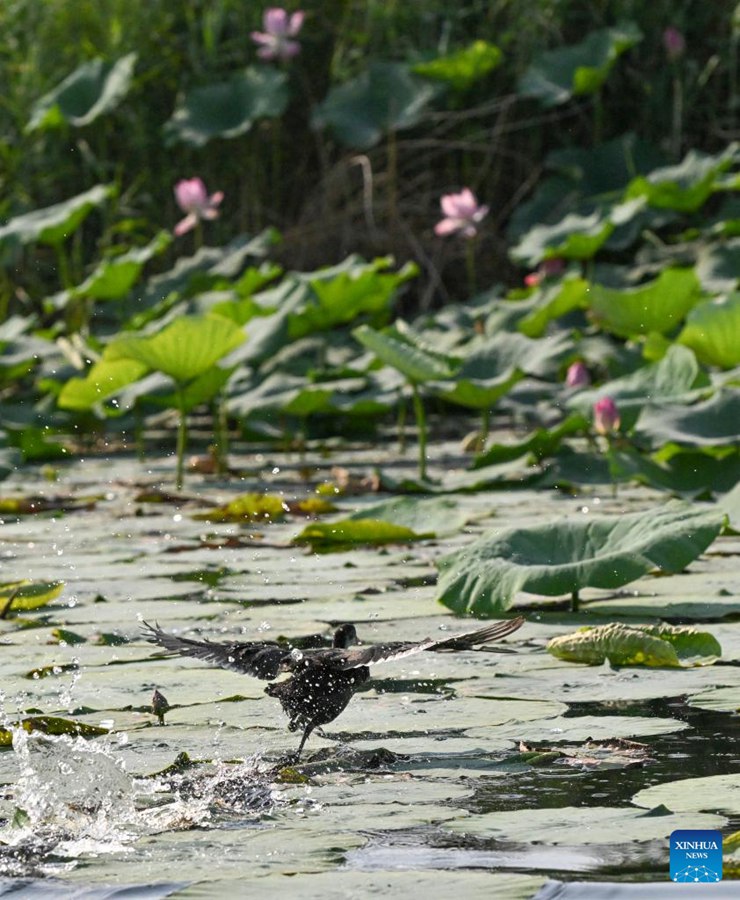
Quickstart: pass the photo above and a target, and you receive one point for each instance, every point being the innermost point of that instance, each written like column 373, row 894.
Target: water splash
column 74, row 799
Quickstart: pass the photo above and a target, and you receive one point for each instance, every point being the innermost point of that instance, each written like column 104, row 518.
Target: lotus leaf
column 397, row 350
column 28, row 594
column 463, row 68
column 385, row 98
column 95, row 88
column 438, row 516
column 247, row 508
column 103, row 380
column 564, row 557
column 637, row 645
column 655, row 307
column 184, row 349
column 712, row 331
column 53, row 224
column 229, row 108
column 558, row 75
column 324, row 537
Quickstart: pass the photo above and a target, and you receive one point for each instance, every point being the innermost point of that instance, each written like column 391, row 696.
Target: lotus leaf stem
column 421, row 424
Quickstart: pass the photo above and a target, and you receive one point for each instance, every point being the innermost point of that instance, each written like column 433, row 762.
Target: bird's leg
column 306, row 731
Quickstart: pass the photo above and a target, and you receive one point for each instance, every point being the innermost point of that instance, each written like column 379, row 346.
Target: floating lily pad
column 325, row 537
column 564, row 557
column 716, row 793
column 577, row 825
column 638, row 645
column 247, row 508
column 52, row 725
column 25, row 595
column 438, row 516
column 717, row 699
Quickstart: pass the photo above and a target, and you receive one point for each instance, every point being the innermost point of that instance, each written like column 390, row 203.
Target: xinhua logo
column 696, row 856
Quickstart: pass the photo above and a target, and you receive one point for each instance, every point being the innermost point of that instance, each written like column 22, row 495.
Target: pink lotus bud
column 577, row 375
column 674, row 43
column 606, row 416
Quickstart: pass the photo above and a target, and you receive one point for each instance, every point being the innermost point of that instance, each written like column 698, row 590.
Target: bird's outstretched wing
column 262, row 659
column 380, row 653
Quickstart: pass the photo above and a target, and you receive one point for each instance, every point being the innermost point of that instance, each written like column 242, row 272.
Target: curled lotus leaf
column 637, row 645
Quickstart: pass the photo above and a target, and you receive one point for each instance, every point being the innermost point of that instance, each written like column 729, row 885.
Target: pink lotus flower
column 577, row 375
column 674, row 43
column 606, row 416
column 462, row 214
column 192, row 198
column 275, row 40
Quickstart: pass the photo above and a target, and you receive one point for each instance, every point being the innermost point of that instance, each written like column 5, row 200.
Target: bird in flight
column 322, row 681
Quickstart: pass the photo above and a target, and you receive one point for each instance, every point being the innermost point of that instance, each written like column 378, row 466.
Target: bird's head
column 345, row 636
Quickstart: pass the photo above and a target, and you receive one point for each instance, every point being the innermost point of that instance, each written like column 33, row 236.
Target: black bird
column 322, row 680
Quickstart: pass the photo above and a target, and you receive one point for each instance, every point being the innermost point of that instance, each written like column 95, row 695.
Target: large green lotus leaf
column 327, row 537
column 668, row 381
column 497, row 355
column 479, row 393
column 53, row 224
column 712, row 423
column 94, row 88
column 637, row 645
column 104, row 379
column 347, row 295
column 712, row 331
column 463, row 68
column 184, row 349
column 573, row 237
column 576, row 825
column 385, row 98
column 713, row 793
column 200, row 390
column 718, row 265
column 553, row 302
column 686, row 186
column 395, row 349
column 541, row 443
column 672, row 468
column 228, row 108
column 558, row 75
column 438, row 516
column 115, row 277
column 655, row 307
column 564, row 557
column 583, row 177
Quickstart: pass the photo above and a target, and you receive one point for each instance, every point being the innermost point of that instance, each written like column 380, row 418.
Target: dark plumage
column 322, row 680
